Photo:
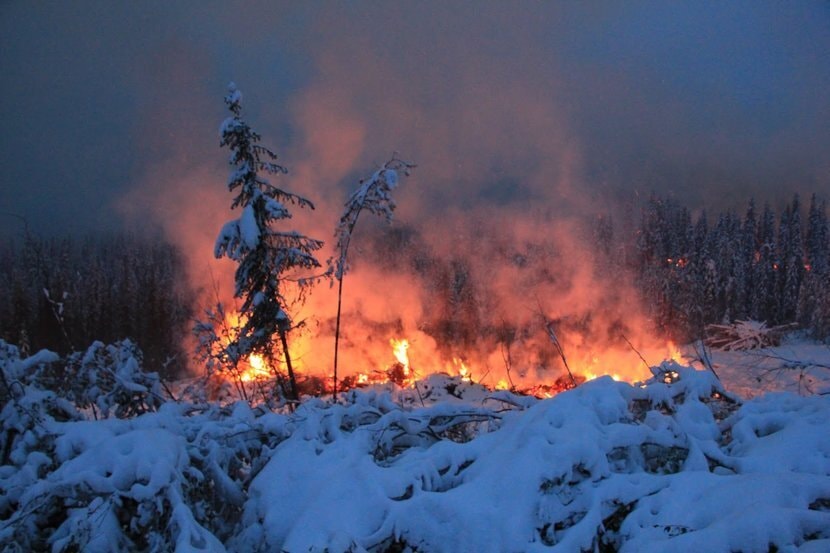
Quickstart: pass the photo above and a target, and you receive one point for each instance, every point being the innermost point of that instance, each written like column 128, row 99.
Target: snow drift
column 675, row 464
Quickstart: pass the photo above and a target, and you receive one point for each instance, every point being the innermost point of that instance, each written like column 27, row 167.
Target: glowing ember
column 257, row 369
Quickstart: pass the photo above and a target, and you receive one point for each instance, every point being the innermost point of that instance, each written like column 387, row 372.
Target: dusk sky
column 110, row 106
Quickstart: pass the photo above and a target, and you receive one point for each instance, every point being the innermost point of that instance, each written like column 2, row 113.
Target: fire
column 587, row 361
column 461, row 369
column 674, row 353
column 591, row 376
column 257, row 369
column 624, row 364
column 400, row 349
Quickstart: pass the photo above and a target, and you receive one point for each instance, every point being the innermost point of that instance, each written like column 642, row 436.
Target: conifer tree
column 814, row 297
column 268, row 259
column 749, row 257
column 791, row 261
column 818, row 234
column 763, row 298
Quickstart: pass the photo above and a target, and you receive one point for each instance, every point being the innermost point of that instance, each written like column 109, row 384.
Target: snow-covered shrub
column 170, row 480
column 123, row 491
column 110, row 380
column 218, row 351
column 28, row 420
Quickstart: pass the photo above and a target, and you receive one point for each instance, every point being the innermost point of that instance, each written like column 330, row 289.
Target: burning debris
column 425, row 290
column 256, row 377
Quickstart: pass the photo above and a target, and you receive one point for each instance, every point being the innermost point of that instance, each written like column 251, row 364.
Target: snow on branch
column 373, row 195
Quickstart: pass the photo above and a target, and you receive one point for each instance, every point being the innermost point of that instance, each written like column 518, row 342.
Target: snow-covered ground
column 676, row 464
column 800, row 367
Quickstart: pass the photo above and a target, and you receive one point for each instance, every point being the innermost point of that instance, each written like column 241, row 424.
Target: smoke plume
column 492, row 238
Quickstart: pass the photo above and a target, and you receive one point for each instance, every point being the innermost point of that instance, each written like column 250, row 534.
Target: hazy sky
column 108, row 103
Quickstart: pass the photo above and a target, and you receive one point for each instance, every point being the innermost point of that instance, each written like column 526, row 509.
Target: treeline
column 762, row 265
column 64, row 294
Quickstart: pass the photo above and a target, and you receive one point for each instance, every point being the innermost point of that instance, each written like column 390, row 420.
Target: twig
column 766, row 354
column 508, row 363
column 705, row 358
column 640, row 355
column 57, row 312
column 22, row 219
column 507, row 401
column 164, row 385
column 415, row 384
column 556, row 343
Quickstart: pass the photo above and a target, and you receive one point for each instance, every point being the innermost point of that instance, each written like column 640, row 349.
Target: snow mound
column 674, row 464
column 670, row 466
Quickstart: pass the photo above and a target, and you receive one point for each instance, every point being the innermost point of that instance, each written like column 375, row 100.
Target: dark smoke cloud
column 497, row 102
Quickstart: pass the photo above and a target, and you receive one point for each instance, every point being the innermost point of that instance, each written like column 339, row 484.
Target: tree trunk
column 337, row 333
column 292, row 381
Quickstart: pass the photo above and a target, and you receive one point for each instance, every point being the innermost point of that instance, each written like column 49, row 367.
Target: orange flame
column 257, row 369
column 400, row 349
column 462, row 370
column 619, row 362
column 673, row 353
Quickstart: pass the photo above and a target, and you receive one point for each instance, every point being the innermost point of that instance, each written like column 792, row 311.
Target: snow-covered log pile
column 745, row 335
column 674, row 465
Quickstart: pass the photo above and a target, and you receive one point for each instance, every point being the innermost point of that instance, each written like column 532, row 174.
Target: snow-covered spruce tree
column 791, row 261
column 764, row 293
column 749, row 245
column 814, row 297
column 372, row 195
column 268, row 259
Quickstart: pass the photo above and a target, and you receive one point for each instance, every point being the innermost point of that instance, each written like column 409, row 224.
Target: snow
column 238, row 236
column 798, row 366
column 275, row 209
column 229, row 126
column 674, row 464
column 550, row 477
column 551, row 463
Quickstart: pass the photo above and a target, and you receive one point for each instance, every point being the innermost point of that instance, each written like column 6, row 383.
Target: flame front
column 542, row 378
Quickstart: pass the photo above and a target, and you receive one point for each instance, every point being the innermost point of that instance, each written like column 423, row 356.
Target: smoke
column 491, row 233
column 525, row 125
